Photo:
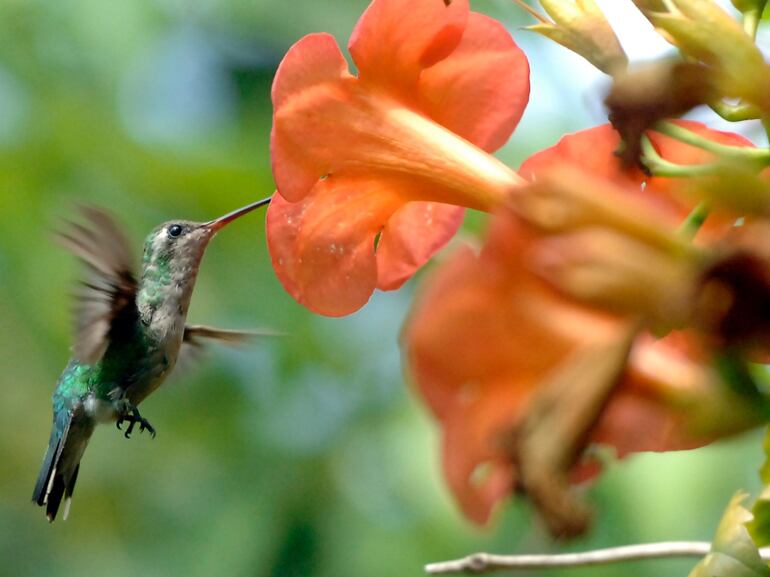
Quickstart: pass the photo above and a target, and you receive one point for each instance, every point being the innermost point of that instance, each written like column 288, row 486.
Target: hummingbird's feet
column 133, row 417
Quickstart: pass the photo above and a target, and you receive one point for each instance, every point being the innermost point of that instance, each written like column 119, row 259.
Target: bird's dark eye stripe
column 174, row 230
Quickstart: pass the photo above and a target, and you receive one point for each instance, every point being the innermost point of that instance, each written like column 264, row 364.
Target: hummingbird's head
column 176, row 241
column 173, row 250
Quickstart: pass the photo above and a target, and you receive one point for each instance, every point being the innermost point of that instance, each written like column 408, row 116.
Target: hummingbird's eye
column 174, row 230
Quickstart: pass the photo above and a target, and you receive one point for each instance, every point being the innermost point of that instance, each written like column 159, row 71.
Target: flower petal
column 322, row 247
column 446, row 347
column 476, row 466
column 481, row 335
column 312, row 60
column 486, row 333
column 658, row 368
column 313, row 67
column 395, row 39
column 413, row 235
column 593, row 150
column 339, row 127
column 481, row 89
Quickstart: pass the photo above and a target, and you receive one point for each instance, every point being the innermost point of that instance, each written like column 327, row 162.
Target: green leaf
column 759, row 527
column 733, row 552
column 750, row 5
column 764, row 472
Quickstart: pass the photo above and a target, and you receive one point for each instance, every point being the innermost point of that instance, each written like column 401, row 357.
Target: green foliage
column 750, row 5
column 764, row 472
column 759, row 527
column 300, row 455
column 733, row 552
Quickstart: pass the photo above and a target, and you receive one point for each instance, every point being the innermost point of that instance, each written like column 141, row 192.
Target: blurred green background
column 304, row 455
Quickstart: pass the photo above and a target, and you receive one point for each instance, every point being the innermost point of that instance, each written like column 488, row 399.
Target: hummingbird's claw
column 130, row 429
column 133, row 417
column 145, row 424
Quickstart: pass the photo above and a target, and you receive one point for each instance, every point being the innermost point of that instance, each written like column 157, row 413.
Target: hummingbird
column 128, row 334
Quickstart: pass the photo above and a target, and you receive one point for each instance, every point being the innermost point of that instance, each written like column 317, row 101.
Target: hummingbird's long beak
column 217, row 223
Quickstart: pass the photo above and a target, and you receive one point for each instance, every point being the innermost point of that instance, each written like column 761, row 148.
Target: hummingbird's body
column 129, row 335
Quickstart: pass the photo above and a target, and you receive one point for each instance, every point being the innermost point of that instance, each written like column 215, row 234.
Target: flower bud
column 580, row 26
column 614, row 272
column 750, row 5
column 651, row 92
column 702, row 30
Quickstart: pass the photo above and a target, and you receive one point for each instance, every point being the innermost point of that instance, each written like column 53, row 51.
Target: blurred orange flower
column 489, row 331
column 593, row 150
column 373, row 170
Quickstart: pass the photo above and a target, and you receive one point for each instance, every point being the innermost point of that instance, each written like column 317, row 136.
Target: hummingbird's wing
column 196, row 337
column 106, row 301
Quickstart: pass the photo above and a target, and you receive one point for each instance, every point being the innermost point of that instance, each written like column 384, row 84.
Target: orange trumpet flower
column 490, row 332
column 373, row 170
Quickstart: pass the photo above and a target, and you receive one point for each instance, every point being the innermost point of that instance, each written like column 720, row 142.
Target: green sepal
column 759, row 527
column 733, row 552
column 703, row 30
column 757, row 6
column 580, row 26
column 764, row 471
column 736, row 373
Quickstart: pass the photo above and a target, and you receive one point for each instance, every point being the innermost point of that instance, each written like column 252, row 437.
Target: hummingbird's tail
column 61, row 464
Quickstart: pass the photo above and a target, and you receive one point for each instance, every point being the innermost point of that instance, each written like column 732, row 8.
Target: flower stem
column 735, row 112
column 487, row 562
column 691, row 225
column 670, row 6
column 725, row 150
column 751, row 20
column 660, row 167
column 766, row 126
